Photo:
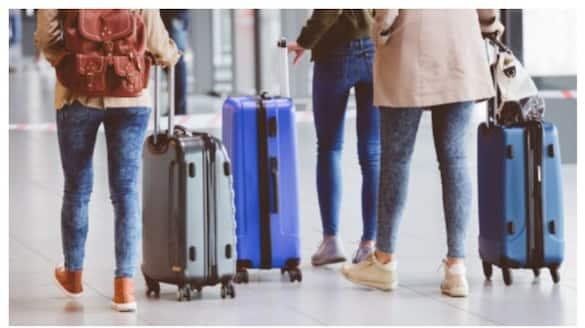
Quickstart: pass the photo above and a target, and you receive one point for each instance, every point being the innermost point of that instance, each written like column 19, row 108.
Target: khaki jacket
column 49, row 39
column 431, row 56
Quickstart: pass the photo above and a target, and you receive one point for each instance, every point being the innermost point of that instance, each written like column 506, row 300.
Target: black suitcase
column 188, row 211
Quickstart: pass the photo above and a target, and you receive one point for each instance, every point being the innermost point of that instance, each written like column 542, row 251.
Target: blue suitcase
column 520, row 198
column 520, row 195
column 259, row 134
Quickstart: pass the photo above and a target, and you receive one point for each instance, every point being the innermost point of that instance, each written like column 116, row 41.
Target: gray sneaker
column 330, row 251
column 362, row 252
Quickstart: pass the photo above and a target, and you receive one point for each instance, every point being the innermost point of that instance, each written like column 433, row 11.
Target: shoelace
column 369, row 259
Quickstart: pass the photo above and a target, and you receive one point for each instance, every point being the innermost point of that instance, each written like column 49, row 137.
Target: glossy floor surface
column 323, row 297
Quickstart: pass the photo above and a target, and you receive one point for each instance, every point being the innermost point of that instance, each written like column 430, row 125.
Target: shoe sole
column 372, row 284
column 124, row 307
column 65, row 291
column 455, row 292
column 329, row 261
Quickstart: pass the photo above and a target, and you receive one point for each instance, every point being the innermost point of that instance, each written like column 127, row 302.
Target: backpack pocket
column 132, row 73
column 91, row 73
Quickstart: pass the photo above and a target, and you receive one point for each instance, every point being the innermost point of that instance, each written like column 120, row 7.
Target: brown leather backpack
column 105, row 52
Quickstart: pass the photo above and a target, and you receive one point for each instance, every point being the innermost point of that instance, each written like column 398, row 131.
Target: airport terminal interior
column 222, row 61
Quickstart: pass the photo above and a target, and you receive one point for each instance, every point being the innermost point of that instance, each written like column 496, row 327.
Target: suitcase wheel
column 241, row 276
column 536, row 272
column 487, row 270
column 295, row 274
column 292, row 267
column 195, row 287
column 554, row 273
column 507, row 274
column 227, row 290
column 152, row 287
column 184, row 293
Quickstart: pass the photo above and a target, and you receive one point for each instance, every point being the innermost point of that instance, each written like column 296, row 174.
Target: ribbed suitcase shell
column 240, row 135
column 503, row 196
column 188, row 212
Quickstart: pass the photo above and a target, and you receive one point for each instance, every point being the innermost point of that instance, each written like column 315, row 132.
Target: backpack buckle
column 108, row 46
column 132, row 79
column 89, row 78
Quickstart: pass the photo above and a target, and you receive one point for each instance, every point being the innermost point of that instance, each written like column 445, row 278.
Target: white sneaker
column 455, row 282
column 372, row 273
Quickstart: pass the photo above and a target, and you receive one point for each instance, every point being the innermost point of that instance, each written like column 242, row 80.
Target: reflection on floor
column 323, row 298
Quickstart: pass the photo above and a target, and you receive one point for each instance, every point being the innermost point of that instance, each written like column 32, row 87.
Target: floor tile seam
column 48, row 261
column 30, row 249
column 310, row 316
column 85, row 282
column 439, row 300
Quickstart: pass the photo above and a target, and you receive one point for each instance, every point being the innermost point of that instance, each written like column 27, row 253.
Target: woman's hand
column 489, row 23
column 298, row 50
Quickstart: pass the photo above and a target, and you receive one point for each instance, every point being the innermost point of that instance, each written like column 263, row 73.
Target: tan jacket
column 49, row 40
column 431, row 56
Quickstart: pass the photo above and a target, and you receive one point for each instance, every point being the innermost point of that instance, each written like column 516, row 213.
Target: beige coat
column 431, row 56
column 48, row 38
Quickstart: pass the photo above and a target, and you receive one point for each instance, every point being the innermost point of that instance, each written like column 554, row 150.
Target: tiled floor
column 323, row 298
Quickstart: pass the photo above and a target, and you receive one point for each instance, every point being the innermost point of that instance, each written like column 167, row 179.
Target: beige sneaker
column 372, row 273
column 455, row 282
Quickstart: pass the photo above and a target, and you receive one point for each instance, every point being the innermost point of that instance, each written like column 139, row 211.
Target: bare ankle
column 383, row 257
column 453, row 260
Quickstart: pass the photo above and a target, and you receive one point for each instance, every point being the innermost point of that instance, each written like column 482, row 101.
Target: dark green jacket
column 330, row 28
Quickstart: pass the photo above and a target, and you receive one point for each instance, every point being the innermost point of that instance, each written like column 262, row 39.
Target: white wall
column 550, row 41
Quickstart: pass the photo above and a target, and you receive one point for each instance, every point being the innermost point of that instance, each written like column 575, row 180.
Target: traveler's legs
column 125, row 132
column 398, row 127
column 450, row 126
column 76, row 130
column 330, row 94
column 368, row 132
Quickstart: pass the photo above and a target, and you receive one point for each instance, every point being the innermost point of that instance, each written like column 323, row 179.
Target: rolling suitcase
column 520, row 195
column 188, row 215
column 259, row 134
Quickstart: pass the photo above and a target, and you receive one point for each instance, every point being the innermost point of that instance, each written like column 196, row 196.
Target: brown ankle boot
column 124, row 300
column 69, row 281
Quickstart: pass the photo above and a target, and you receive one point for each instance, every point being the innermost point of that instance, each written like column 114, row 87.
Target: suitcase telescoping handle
column 171, row 101
column 283, row 68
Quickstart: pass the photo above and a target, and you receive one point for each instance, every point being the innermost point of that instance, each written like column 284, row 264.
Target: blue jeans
column 15, row 26
column 177, row 28
column 349, row 66
column 125, row 128
column 399, row 127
